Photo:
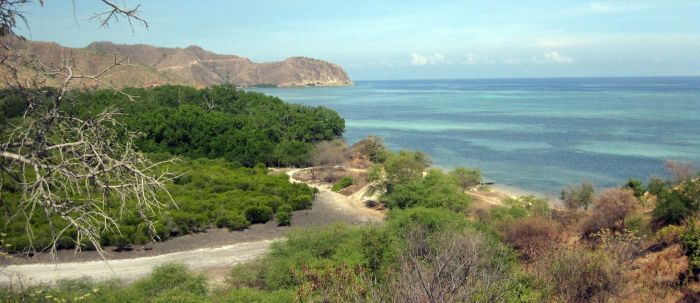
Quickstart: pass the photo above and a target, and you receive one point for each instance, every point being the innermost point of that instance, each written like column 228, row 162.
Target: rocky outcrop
column 207, row 68
column 191, row 66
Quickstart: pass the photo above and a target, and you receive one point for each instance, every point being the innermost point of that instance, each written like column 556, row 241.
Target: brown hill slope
column 191, row 66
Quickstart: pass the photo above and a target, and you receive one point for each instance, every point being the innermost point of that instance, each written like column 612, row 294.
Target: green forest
column 223, row 150
column 245, row 128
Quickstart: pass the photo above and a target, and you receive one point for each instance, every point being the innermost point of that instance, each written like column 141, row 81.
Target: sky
column 383, row 40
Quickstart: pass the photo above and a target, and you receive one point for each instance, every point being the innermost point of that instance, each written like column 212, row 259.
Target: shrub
column 456, row 266
column 520, row 207
column 609, row 211
column 435, row 190
column 530, row 236
column 670, row 208
column 639, row 224
column 284, row 215
column 467, row 177
column 579, row 275
column 169, row 282
column 636, row 186
column 433, row 219
column 232, row 221
column 372, row 148
column 690, row 240
column 669, row 234
column 251, row 295
column 575, row 197
column 303, row 201
column 258, row 214
column 342, row 184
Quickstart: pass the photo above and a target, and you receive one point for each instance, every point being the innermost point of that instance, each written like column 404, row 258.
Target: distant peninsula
column 153, row 66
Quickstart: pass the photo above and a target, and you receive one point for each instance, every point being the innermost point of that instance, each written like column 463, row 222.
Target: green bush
column 217, row 194
column 258, row 214
column 520, row 207
column 250, row 295
column 432, row 219
column 232, row 221
column 435, row 190
column 284, row 215
column 670, row 208
column 636, row 186
column 690, row 240
column 170, row 277
column 342, row 184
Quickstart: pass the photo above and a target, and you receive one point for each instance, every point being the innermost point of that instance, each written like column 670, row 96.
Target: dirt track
column 132, row 269
column 329, row 207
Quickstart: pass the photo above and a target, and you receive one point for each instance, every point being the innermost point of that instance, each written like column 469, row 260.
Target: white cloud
column 556, row 57
column 420, row 60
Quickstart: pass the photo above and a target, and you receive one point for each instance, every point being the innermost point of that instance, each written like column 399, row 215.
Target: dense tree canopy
column 216, row 122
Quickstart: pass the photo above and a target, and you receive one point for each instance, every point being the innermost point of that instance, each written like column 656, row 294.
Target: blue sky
column 411, row 39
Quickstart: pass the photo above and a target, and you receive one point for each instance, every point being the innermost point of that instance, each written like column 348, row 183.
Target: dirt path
column 353, row 204
column 131, row 269
column 214, row 251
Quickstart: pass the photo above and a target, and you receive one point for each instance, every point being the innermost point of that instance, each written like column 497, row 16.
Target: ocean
column 536, row 135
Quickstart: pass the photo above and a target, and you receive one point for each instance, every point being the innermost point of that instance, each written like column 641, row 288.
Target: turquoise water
column 533, row 134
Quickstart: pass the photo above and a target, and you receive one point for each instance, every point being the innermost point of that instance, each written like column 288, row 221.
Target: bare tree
column 328, row 154
column 681, row 171
column 449, row 267
column 74, row 171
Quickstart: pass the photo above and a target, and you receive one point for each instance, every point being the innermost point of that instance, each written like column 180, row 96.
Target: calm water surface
column 533, row 134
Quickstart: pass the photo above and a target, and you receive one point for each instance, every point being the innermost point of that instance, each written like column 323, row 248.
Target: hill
column 154, row 66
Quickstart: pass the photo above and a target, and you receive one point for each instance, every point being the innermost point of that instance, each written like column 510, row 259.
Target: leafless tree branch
column 73, row 171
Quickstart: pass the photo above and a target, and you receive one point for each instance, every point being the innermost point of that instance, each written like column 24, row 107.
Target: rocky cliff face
column 191, row 66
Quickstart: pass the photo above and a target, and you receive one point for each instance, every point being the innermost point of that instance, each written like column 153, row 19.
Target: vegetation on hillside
column 215, row 122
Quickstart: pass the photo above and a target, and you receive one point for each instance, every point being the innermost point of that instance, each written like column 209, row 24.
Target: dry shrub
column 656, row 277
column 609, row 211
column 577, row 274
column 681, row 171
column 567, row 217
column 669, row 234
column 531, row 236
column 450, row 267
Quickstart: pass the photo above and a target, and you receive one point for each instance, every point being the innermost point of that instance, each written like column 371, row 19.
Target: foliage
column 467, row 177
column 372, row 148
column 258, row 213
column 580, row 275
column 580, row 196
column 435, row 190
column 342, row 184
column 610, row 209
column 675, row 204
column 284, row 215
column 373, row 263
column 531, row 236
column 690, row 241
column 243, row 127
column 405, row 166
column 432, row 219
column 636, row 186
column 167, row 283
column 210, row 192
column 521, row 207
